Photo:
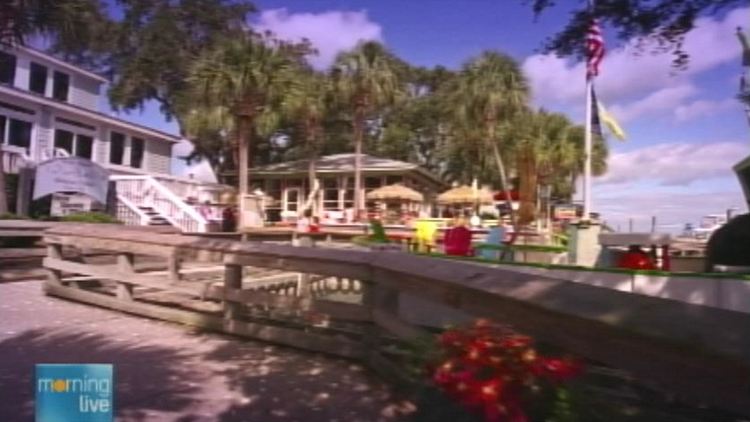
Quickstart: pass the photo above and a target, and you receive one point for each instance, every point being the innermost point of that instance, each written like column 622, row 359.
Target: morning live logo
column 74, row 393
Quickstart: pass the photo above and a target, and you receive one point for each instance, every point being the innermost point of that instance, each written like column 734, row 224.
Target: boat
column 708, row 224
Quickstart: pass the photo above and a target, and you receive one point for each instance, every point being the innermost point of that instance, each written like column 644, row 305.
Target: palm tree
column 491, row 90
column 210, row 129
column 246, row 77
column 367, row 79
column 560, row 149
column 543, row 143
column 308, row 105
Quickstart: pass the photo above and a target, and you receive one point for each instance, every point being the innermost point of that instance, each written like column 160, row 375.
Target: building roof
column 84, row 112
column 343, row 163
column 61, row 63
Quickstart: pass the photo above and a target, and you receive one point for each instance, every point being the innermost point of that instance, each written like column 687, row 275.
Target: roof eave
column 62, row 63
column 71, row 108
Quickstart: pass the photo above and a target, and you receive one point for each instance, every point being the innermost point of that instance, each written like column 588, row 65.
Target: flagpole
column 587, row 144
column 587, row 153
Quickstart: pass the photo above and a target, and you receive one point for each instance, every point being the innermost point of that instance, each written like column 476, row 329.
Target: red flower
column 488, row 368
column 516, row 341
column 559, row 370
column 490, row 390
column 452, row 338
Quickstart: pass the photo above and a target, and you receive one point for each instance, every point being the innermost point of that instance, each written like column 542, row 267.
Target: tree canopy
column 664, row 21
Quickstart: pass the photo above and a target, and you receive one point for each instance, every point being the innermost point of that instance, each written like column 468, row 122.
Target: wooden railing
column 146, row 191
column 697, row 352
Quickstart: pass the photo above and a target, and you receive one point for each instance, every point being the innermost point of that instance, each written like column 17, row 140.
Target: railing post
column 173, row 267
column 232, row 282
column 304, row 288
column 54, row 276
column 371, row 337
column 125, row 265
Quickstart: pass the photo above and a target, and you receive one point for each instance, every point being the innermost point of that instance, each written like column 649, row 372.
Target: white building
column 49, row 108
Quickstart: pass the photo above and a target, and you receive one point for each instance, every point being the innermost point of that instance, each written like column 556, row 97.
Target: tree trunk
column 359, row 122
column 3, row 191
column 527, row 190
column 504, row 182
column 312, row 156
column 243, row 124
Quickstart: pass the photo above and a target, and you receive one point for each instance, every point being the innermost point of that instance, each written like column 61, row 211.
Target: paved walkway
column 166, row 372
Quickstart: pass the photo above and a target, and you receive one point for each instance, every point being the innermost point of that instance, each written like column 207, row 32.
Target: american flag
column 594, row 49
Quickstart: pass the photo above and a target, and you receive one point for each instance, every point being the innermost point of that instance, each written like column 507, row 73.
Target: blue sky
column 685, row 128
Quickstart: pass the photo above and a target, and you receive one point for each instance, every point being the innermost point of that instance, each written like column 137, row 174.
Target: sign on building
column 565, row 211
column 72, row 203
column 71, row 174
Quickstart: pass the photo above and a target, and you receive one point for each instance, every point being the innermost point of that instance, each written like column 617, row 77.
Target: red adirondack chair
column 458, row 242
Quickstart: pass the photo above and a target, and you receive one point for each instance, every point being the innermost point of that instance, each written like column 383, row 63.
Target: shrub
column 378, row 232
column 90, row 217
column 11, row 216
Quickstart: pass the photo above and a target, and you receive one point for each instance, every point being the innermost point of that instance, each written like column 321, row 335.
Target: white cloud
column 702, row 108
column 664, row 99
column 674, row 164
column 625, row 73
column 672, row 210
column 330, row 32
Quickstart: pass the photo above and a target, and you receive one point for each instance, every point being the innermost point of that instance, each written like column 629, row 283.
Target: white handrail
column 147, row 191
column 176, row 200
column 134, row 208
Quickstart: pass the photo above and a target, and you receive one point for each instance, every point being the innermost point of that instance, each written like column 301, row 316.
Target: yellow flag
column 611, row 123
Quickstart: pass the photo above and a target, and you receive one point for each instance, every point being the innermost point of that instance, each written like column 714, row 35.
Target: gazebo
column 462, row 197
column 399, row 195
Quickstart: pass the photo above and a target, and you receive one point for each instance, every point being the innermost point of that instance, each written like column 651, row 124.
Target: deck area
column 165, row 371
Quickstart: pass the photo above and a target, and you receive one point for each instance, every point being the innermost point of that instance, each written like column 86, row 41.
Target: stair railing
column 146, row 191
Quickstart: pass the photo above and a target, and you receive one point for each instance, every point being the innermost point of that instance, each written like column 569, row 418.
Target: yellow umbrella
column 395, row 192
column 465, row 195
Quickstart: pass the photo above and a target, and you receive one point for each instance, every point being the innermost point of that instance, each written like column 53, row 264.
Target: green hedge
column 521, row 248
column 90, row 217
column 11, row 216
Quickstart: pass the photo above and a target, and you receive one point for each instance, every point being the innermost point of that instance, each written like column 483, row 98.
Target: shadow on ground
column 304, row 387
column 197, row 377
column 147, row 377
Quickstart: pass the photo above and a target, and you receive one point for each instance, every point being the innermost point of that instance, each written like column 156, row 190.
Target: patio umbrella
column 465, row 195
column 395, row 192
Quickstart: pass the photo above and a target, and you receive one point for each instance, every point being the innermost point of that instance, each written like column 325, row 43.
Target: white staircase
column 146, row 201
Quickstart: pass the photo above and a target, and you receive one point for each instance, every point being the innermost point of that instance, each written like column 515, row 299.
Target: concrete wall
column 726, row 293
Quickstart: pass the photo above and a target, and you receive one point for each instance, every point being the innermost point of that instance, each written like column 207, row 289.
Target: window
column 390, row 180
column 19, row 133
column 137, row 145
column 64, row 140
column 38, row 78
column 372, row 183
column 273, row 190
column 7, row 68
column 292, row 199
column 84, row 146
column 60, row 86
column 116, row 147
column 349, row 198
column 3, row 121
column 330, row 186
